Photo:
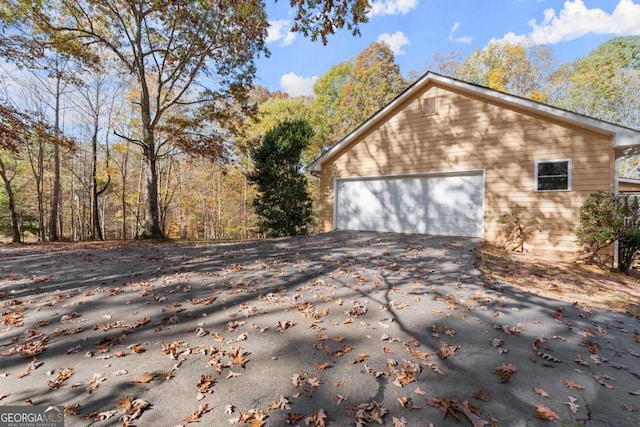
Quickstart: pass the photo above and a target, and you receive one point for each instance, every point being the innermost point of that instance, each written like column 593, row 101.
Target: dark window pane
column 553, row 168
column 553, row 183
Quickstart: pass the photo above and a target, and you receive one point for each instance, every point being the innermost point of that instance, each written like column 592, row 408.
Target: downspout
column 616, row 191
column 317, row 175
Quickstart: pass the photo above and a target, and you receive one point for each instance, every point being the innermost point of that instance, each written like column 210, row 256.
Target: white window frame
column 569, row 175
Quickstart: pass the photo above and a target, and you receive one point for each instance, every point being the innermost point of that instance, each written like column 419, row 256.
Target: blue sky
column 416, row 30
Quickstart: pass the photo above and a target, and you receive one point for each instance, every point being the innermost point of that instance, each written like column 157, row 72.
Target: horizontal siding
column 469, row 133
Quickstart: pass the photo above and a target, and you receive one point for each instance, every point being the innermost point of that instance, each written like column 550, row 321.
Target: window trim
column 569, row 175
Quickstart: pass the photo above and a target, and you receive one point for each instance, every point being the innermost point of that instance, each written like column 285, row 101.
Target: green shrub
column 605, row 218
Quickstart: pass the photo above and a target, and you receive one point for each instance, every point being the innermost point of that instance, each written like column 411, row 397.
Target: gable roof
column 624, row 139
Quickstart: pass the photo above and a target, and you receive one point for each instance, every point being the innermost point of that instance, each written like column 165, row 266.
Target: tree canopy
column 170, row 47
column 283, row 202
column 352, row 91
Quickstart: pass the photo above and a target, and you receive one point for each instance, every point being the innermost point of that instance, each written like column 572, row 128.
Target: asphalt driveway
column 336, row 329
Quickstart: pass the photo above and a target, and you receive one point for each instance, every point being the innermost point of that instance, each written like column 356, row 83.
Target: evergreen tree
column 283, row 203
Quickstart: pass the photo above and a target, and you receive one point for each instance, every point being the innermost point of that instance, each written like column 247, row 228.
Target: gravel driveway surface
column 334, row 329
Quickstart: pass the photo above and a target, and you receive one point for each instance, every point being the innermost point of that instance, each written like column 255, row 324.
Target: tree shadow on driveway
column 354, row 327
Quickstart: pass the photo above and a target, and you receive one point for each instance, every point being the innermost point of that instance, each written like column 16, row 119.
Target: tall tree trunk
column 123, row 199
column 36, row 161
column 55, row 191
column 96, row 230
column 15, row 226
column 245, row 219
column 152, row 228
column 152, row 218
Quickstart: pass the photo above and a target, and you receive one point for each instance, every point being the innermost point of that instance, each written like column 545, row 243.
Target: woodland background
column 203, row 190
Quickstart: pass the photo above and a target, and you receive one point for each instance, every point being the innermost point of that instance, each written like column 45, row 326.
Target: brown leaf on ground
column 63, row 375
column 125, row 402
column 545, row 413
column 144, row 378
column 541, row 392
column 368, row 412
column 471, row 412
column 361, row 358
column 293, row 418
column 238, row 357
column 481, row 395
column 203, row 409
column 72, row 409
column 447, row 350
column 282, row 403
column 505, row 371
column 205, row 383
column 572, row 384
column 33, row 348
column 322, row 366
column 562, row 279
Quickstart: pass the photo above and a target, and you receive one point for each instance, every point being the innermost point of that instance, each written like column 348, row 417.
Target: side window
column 553, row 175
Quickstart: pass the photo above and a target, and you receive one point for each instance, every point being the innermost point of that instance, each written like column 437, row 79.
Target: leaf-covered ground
column 328, row 330
column 585, row 285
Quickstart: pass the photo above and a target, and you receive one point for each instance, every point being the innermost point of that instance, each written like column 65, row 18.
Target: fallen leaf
column 293, row 418
column 282, row 403
column 138, row 349
column 603, row 380
column 482, row 395
column 402, row 422
column 545, row 413
column 572, row 384
column 572, row 405
column 316, row 419
column 203, row 409
column 505, row 371
column 239, row 357
column 404, row 401
column 62, row 377
column 541, row 392
column 144, row 378
column 101, row 416
column 361, row 358
column 205, row 383
column 95, row 382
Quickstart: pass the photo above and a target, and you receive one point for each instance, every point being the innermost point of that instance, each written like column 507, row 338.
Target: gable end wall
column 470, row 133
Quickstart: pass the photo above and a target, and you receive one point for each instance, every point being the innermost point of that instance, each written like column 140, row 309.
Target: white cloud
column 392, row 7
column 576, row 20
column 395, row 41
column 464, row 39
column 296, row 85
column 279, row 31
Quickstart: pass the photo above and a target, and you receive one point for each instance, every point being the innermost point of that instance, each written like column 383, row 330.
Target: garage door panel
column 446, row 205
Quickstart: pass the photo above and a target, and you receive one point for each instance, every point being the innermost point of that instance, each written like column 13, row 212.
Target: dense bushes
column 605, row 218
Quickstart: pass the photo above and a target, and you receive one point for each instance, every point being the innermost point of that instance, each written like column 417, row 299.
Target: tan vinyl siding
column 470, row 133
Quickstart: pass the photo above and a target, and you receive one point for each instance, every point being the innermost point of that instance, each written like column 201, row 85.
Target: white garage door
column 448, row 204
